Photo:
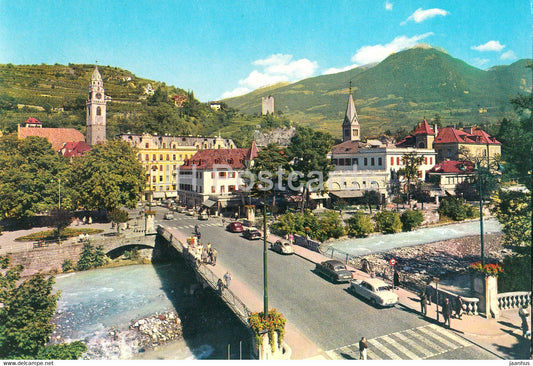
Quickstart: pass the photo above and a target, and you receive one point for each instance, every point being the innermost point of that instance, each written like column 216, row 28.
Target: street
column 331, row 317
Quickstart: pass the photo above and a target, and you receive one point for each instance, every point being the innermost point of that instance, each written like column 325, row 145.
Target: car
column 190, row 212
column 180, row 209
column 334, row 270
column 235, row 227
column 374, row 290
column 283, row 247
column 169, row 216
column 203, row 216
column 252, row 233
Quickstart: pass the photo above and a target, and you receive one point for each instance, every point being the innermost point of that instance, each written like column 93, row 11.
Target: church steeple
column 96, row 110
column 351, row 131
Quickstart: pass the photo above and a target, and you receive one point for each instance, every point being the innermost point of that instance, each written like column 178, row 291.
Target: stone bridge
column 112, row 242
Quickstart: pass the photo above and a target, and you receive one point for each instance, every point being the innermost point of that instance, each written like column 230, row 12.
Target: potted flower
column 489, row 269
column 273, row 323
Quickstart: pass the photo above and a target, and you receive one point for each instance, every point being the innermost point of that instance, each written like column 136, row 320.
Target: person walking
column 220, row 286
column 214, row 256
column 423, row 303
column 362, row 348
column 458, row 307
column 524, row 314
column 196, row 229
column 227, row 278
column 447, row 312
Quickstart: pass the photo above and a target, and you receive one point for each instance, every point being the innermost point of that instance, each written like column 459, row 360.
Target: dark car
column 334, row 270
column 252, row 234
column 235, row 227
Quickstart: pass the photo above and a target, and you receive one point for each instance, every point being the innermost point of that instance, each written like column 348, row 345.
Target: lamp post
column 59, row 204
column 265, row 262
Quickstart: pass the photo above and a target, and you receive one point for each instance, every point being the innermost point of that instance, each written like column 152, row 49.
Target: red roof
column 452, row 135
column 57, row 136
column 207, row 159
column 424, row 129
column 33, row 121
column 453, row 166
column 78, row 148
column 347, row 147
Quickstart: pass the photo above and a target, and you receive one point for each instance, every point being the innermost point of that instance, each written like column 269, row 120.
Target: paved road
column 331, row 317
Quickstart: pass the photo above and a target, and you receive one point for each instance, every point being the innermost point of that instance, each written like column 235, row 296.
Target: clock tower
column 96, row 110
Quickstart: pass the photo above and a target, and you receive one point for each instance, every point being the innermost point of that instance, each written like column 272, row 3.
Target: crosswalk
column 411, row 344
column 185, row 227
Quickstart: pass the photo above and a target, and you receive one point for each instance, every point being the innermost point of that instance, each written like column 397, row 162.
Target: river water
column 97, row 302
column 379, row 243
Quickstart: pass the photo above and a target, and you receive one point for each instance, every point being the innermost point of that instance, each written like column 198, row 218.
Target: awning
column 171, row 194
column 347, row 194
column 158, row 194
column 209, row 203
column 319, row 196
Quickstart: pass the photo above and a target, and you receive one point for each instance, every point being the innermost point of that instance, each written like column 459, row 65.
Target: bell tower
column 351, row 131
column 96, row 110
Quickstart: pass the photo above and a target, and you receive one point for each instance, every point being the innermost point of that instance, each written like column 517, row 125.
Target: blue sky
column 224, row 48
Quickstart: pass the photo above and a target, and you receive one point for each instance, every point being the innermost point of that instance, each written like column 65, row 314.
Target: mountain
column 398, row 92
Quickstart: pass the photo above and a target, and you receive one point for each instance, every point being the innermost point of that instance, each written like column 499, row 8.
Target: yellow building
column 161, row 157
column 465, row 144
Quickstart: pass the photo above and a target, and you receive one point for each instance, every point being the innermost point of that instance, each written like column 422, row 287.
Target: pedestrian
column 362, row 348
column 90, row 220
column 524, row 314
column 396, row 279
column 227, row 278
column 220, row 286
column 423, row 303
column 447, row 312
column 196, row 229
column 214, row 257
column 199, row 236
column 204, row 256
column 458, row 307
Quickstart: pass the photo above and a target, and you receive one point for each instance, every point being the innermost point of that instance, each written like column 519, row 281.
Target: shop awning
column 158, row 194
column 347, row 194
column 209, row 203
column 171, row 194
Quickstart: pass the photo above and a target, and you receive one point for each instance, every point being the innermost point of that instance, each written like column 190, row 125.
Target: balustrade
column 513, row 300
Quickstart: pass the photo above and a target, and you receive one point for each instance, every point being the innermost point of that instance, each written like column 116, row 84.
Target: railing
column 338, row 254
column 470, row 304
column 513, row 300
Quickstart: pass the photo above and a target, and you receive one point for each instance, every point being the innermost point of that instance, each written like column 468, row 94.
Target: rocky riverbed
column 417, row 265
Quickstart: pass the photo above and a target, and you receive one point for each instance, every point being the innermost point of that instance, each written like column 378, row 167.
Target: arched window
column 98, row 111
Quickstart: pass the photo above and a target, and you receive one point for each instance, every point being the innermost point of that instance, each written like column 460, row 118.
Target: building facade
column 96, row 110
column 466, row 144
column 162, row 156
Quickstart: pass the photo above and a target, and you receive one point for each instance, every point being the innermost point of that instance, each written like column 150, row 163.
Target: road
column 326, row 313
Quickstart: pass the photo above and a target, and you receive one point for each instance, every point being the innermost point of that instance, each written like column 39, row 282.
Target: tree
column 108, row 176
column 388, row 222
column 118, row 216
column 513, row 211
column 411, row 219
column 62, row 351
column 421, row 194
column 59, row 219
column 456, row 209
column 411, row 161
column 331, row 226
column 309, row 149
column 467, row 191
column 371, row 198
column 360, row 225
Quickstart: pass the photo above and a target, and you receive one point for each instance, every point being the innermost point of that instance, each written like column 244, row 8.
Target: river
column 95, row 303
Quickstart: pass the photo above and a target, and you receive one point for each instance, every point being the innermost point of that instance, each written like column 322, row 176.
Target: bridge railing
column 513, row 300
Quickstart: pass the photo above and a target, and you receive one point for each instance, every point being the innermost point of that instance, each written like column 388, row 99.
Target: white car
column 374, row 290
column 282, row 247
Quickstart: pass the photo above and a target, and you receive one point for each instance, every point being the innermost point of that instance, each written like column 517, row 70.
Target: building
column 267, row 105
column 161, row 157
column 466, row 144
column 58, row 137
column 73, row 149
column 422, row 137
column 450, row 173
column 212, row 177
column 96, row 110
column 370, row 165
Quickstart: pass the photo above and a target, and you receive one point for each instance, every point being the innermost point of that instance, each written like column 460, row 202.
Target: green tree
column 411, row 161
column 372, row 198
column 456, row 209
column 411, row 219
column 309, row 150
column 108, row 176
column 330, row 226
column 388, row 222
column 62, row 351
column 513, row 211
column 360, row 224
column 118, row 216
column 59, row 219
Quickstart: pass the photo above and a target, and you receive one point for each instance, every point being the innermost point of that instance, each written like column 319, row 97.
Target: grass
column 51, row 234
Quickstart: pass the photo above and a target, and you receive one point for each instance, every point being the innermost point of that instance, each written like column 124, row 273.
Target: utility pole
column 59, row 205
column 265, row 262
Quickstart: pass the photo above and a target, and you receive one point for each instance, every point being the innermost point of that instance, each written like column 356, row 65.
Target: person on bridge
column 524, row 314
column 227, row 278
column 423, row 303
column 362, row 348
column 458, row 307
column 447, row 312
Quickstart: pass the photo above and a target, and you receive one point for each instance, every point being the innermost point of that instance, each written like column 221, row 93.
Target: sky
column 220, row 49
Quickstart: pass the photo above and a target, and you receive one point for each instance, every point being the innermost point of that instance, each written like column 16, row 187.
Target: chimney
column 468, row 129
column 436, row 130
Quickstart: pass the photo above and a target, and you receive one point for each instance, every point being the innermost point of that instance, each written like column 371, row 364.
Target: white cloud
column 388, row 6
column 334, row 70
column 509, row 55
column 276, row 68
column 420, row 15
column 369, row 54
column 489, row 46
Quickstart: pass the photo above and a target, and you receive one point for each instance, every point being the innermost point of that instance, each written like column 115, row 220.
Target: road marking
column 414, row 344
column 451, row 335
column 401, row 348
column 375, row 343
column 441, row 338
column 424, row 340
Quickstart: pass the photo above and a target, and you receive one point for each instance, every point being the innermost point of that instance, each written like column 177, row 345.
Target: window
column 160, row 178
column 355, row 161
column 347, row 161
column 431, row 160
column 168, row 157
column 366, row 161
column 419, row 174
column 392, row 160
column 222, row 174
column 425, row 160
column 173, row 156
column 334, row 161
column 231, row 188
column 341, row 161
column 154, row 157
column 160, row 168
column 146, row 157
column 98, row 111
column 380, row 161
column 355, row 132
column 213, row 190
column 160, row 156
column 372, row 161
column 222, row 189
column 397, row 160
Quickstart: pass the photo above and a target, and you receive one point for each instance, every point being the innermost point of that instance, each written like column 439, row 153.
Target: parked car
column 374, row 290
column 190, row 212
column 180, row 209
column 334, row 270
column 252, row 234
column 283, row 247
column 203, row 216
column 169, row 216
column 235, row 227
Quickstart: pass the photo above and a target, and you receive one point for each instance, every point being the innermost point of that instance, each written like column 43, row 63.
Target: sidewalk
column 502, row 337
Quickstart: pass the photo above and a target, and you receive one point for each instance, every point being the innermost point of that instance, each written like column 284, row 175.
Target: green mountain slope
column 404, row 88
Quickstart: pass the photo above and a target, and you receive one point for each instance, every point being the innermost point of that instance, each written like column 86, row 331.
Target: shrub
column 91, row 257
column 330, row 226
column 456, row 209
column 388, row 222
column 411, row 219
column 516, row 275
column 360, row 225
column 67, row 265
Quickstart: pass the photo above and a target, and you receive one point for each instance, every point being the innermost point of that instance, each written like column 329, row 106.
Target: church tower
column 96, row 110
column 351, row 131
